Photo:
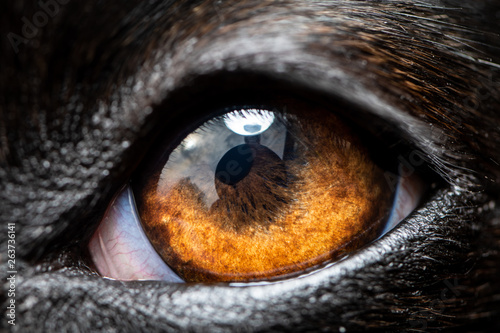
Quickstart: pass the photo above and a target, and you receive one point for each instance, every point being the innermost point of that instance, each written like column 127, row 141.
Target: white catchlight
column 249, row 122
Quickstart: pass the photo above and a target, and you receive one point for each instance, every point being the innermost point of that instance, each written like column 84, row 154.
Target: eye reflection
column 257, row 194
column 216, row 153
column 249, row 122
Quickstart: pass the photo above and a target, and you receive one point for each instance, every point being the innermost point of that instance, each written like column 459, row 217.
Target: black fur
column 82, row 99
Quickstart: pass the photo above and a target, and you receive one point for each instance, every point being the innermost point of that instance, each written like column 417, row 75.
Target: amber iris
column 230, row 205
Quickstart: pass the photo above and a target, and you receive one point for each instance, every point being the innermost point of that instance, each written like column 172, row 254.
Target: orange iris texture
column 322, row 199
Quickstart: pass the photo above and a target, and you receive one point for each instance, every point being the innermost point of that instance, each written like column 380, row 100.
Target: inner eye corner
column 256, row 193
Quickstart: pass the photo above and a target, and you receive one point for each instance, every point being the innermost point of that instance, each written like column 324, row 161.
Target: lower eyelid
column 120, row 249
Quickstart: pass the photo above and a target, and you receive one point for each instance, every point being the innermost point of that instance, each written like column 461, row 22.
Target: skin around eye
column 229, row 205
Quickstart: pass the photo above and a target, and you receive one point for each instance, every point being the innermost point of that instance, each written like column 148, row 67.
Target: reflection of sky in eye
column 249, row 122
column 197, row 156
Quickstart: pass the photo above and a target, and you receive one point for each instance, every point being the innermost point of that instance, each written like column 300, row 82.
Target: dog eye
column 254, row 193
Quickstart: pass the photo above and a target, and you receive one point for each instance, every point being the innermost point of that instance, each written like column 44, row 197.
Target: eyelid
column 344, row 94
column 121, row 250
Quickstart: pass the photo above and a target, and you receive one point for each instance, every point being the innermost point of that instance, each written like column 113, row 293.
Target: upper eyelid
column 323, row 75
column 359, row 100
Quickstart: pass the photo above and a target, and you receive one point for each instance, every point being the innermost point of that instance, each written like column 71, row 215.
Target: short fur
column 80, row 100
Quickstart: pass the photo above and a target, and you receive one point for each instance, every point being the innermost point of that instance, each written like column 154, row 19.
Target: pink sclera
column 408, row 194
column 119, row 248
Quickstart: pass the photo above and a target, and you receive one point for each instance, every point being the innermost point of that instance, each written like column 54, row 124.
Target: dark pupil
column 251, row 182
column 235, row 164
